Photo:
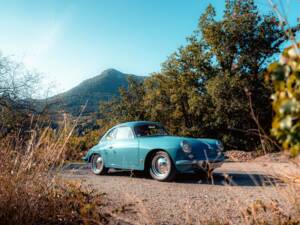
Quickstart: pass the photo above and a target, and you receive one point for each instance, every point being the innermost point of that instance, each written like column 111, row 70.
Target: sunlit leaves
column 285, row 76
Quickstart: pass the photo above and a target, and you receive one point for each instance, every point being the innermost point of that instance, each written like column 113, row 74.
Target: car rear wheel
column 98, row 167
column 161, row 167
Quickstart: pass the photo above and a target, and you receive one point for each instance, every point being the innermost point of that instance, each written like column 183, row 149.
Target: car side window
column 124, row 133
column 111, row 135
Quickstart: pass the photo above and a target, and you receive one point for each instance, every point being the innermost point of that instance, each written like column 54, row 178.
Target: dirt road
column 138, row 199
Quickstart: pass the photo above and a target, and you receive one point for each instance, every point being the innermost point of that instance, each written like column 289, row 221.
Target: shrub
column 77, row 146
column 285, row 76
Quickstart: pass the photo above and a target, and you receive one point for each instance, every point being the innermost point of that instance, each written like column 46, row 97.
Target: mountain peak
column 110, row 71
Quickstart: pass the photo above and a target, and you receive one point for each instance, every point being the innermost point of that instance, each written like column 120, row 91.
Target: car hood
column 201, row 147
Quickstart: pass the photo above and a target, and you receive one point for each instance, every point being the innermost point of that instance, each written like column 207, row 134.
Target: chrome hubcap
column 97, row 164
column 160, row 166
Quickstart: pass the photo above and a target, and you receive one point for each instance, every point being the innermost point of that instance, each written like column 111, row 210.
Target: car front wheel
column 98, row 167
column 161, row 167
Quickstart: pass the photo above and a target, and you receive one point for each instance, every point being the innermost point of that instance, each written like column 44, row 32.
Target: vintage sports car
column 143, row 145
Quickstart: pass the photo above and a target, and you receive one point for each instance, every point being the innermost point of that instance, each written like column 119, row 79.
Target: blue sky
column 72, row 40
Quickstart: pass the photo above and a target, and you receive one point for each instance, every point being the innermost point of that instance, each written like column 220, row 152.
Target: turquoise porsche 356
column 147, row 146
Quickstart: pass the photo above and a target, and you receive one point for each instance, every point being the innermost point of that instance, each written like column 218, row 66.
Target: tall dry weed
column 30, row 190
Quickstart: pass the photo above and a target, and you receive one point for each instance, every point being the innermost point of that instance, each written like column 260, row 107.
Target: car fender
column 146, row 154
column 97, row 149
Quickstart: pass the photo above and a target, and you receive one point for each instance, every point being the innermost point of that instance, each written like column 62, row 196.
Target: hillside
column 91, row 91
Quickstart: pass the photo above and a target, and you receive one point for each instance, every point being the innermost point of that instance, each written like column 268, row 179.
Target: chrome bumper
column 185, row 165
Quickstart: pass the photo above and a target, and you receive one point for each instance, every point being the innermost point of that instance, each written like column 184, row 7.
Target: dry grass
column 262, row 213
column 271, row 212
column 31, row 193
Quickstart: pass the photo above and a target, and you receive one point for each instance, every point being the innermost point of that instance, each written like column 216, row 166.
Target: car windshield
column 150, row 130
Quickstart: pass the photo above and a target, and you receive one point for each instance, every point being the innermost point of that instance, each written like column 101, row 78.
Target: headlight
column 186, row 147
column 220, row 146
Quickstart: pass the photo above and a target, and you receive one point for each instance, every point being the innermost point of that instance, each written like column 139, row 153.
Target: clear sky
column 72, row 40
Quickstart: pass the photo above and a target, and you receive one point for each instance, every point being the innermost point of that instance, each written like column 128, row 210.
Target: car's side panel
column 124, row 154
column 118, row 154
column 105, row 149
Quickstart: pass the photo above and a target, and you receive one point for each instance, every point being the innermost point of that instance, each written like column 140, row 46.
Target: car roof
column 136, row 123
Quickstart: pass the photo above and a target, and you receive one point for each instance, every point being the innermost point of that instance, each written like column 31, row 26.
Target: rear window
column 150, row 130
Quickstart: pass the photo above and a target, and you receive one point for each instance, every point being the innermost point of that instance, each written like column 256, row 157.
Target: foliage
column 77, row 145
column 230, row 114
column 285, row 76
column 176, row 94
column 202, row 87
column 243, row 41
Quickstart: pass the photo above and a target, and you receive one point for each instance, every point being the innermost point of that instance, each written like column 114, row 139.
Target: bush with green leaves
column 285, row 76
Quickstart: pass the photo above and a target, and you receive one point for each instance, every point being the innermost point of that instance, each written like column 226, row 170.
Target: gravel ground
column 188, row 200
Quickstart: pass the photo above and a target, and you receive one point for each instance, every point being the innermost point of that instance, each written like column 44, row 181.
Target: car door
column 107, row 147
column 125, row 149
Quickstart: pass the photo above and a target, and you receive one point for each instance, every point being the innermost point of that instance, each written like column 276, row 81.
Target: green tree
column 176, row 94
column 243, row 41
column 202, row 88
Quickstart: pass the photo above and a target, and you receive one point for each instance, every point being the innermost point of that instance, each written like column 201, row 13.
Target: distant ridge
column 94, row 90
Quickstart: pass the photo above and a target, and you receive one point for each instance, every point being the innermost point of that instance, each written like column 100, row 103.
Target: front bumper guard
column 201, row 164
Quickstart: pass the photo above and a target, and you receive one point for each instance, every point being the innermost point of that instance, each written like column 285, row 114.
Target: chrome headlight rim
column 186, row 146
